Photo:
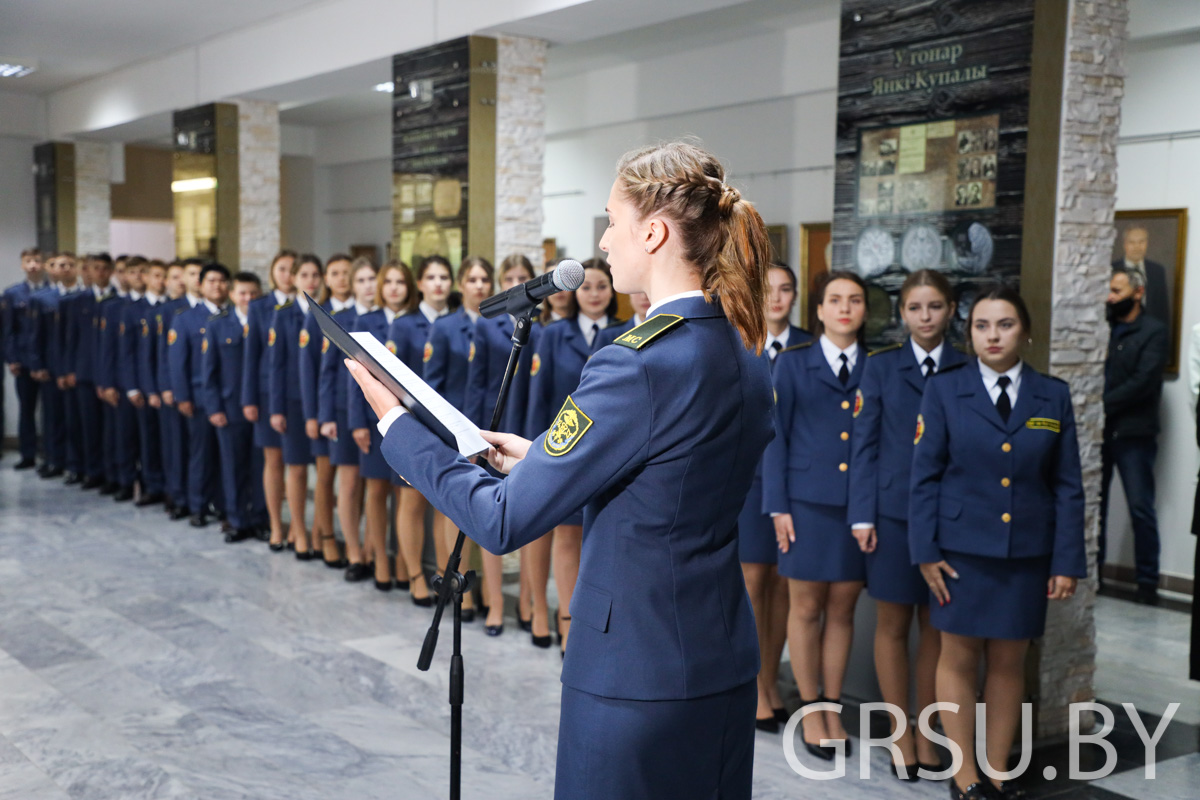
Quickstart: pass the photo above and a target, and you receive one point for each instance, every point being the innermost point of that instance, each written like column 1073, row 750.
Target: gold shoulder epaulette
column 887, row 349
column 648, row 331
column 800, row 346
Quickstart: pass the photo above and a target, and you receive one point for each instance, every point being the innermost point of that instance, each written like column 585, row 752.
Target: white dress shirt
column 281, row 297
column 834, row 355
column 361, row 309
column 650, row 312
column 781, row 338
column 242, row 318
column 935, row 354
column 430, row 312
column 336, row 305
column 390, row 315
column 991, row 381
column 590, row 327
column 302, row 301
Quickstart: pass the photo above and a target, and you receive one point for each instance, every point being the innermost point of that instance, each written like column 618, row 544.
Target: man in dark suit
column 1156, row 303
column 1133, row 379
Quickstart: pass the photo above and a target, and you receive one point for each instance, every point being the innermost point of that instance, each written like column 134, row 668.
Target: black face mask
column 1119, row 310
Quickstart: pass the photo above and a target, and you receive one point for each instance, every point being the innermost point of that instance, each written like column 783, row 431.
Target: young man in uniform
column 15, row 307
column 141, row 332
column 83, row 329
column 173, row 424
column 221, row 364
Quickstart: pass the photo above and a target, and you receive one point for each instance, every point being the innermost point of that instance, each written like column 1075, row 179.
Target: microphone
column 566, row 277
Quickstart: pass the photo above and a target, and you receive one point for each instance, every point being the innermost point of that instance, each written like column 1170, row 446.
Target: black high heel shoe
column 781, row 715
column 823, row 752
column 539, row 641
column 766, row 724
column 846, row 741
column 423, row 602
column 910, row 771
column 524, row 624
column 976, row 791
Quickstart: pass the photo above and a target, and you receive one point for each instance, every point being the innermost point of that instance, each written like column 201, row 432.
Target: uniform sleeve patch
column 204, row 346
column 858, row 403
column 245, row 329
column 536, row 366
column 471, row 353
column 304, row 338
column 649, row 330
column 567, row 429
column 172, row 336
column 428, row 354
column 920, row 428
column 271, row 338
column 158, row 319
column 324, row 345
column 1041, row 423
column 103, row 323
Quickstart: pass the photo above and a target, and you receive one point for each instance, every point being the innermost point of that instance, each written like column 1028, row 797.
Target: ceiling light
column 388, row 87
column 14, row 70
column 193, row 185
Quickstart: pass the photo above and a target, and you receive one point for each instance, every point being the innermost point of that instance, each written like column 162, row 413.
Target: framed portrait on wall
column 816, row 245
column 1155, row 241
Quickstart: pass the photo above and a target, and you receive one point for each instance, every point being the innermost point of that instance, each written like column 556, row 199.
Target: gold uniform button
column 1005, row 482
column 842, row 467
column 1006, row 517
column 1006, row 447
column 845, row 436
column 845, row 404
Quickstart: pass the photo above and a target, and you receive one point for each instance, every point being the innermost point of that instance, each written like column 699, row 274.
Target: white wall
column 765, row 103
column 1162, row 173
column 353, row 185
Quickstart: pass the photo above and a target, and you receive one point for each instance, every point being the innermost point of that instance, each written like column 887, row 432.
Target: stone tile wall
column 520, row 147
column 1094, row 85
column 258, row 179
column 93, row 203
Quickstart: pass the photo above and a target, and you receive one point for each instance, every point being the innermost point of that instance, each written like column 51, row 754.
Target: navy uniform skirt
column 655, row 749
column 343, row 452
column 891, row 576
column 371, row 464
column 756, row 531
column 297, row 447
column 824, row 549
column 264, row 434
column 994, row 598
column 319, row 446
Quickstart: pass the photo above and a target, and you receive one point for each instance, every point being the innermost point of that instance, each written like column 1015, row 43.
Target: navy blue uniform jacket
column 659, row 446
column 562, row 351
column 447, row 354
column 989, row 488
column 881, row 455
column 256, row 366
column 492, row 345
column 814, row 415
column 332, row 384
column 221, row 366
column 185, row 343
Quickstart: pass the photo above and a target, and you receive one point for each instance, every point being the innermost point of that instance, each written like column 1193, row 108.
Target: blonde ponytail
column 723, row 235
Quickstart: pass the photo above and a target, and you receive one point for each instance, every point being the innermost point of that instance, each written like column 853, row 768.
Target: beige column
column 93, row 204
column 258, row 184
column 520, row 147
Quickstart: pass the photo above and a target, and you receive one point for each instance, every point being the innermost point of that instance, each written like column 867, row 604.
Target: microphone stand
column 453, row 585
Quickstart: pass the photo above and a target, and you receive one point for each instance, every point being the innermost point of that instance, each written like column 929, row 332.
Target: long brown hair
column 722, row 234
column 271, row 269
column 412, row 300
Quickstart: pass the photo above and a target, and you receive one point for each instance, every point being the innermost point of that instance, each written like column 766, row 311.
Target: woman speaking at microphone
column 658, row 445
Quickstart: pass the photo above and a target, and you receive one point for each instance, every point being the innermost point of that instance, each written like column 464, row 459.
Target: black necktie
column 1003, row 403
column 592, row 335
column 844, row 372
column 775, row 348
column 930, row 366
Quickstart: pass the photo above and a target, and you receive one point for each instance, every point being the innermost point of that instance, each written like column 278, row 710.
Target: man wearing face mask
column 1133, row 379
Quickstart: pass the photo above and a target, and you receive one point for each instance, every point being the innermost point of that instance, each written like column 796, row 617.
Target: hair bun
column 729, row 198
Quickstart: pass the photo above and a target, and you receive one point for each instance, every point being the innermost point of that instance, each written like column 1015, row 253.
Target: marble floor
column 141, row 658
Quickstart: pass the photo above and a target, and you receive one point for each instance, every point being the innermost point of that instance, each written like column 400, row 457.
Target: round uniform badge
column 535, row 366
column 471, row 353
column 304, row 338
column 158, row 320
column 271, row 338
column 920, row 429
column 858, row 403
column 172, row 336
column 391, row 346
column 103, row 323
column 204, row 346
column 324, row 345
column 121, row 330
column 245, row 329
column 145, row 329
column 428, row 353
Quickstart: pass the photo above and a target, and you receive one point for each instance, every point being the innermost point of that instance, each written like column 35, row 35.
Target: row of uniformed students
column 193, row 382
column 948, row 486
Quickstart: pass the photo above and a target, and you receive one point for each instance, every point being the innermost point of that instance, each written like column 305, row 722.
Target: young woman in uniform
column 805, row 489
column 995, row 520
column 880, row 462
column 395, row 296
column 485, row 371
column 563, row 350
column 447, row 358
column 410, row 334
column 256, row 371
column 659, row 442
column 757, row 549
column 286, row 405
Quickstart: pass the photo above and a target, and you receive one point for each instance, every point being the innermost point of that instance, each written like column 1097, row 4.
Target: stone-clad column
column 93, row 202
column 520, row 147
column 258, row 181
column 1093, row 87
